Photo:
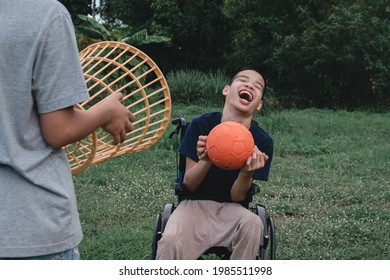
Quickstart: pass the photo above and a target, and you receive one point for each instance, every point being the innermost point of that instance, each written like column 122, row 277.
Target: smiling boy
column 210, row 213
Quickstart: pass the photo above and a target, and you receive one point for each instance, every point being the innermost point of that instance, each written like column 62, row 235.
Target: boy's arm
column 69, row 125
column 244, row 180
column 196, row 171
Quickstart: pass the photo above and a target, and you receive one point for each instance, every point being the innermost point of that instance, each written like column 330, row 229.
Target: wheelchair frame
column 267, row 248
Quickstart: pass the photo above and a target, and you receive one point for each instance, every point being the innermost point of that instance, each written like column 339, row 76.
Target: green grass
column 328, row 189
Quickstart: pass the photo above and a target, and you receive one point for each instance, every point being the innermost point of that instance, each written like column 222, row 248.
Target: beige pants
column 197, row 225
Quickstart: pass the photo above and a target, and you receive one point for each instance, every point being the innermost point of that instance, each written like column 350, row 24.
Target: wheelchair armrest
column 179, row 122
column 254, row 189
column 178, row 189
column 176, row 186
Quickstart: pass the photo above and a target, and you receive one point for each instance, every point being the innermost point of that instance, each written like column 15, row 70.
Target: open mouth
column 246, row 95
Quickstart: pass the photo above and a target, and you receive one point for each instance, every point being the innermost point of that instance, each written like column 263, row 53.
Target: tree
column 76, row 7
column 198, row 30
column 97, row 31
column 131, row 12
column 316, row 53
column 336, row 61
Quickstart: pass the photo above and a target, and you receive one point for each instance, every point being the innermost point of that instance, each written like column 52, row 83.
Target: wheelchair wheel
column 267, row 248
column 156, row 236
column 272, row 237
column 168, row 209
column 161, row 222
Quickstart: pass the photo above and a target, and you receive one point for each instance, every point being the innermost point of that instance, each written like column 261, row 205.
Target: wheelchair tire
column 272, row 237
column 267, row 249
column 156, row 236
column 168, row 209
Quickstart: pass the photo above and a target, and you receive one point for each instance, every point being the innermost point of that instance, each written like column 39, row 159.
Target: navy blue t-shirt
column 217, row 183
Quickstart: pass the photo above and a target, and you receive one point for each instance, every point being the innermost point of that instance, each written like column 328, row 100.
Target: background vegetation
column 324, row 54
column 328, row 189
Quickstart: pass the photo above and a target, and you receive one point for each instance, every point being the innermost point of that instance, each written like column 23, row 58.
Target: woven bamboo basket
column 110, row 67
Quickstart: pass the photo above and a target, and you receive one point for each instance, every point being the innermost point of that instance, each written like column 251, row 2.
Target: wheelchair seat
column 267, row 248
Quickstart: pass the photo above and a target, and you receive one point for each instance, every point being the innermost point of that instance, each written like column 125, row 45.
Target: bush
column 196, row 87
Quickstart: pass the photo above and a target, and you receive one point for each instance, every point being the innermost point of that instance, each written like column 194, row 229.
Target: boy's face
column 245, row 92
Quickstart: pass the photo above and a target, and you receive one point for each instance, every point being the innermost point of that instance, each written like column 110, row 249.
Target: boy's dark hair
column 253, row 69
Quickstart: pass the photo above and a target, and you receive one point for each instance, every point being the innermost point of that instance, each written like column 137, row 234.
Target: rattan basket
column 110, row 67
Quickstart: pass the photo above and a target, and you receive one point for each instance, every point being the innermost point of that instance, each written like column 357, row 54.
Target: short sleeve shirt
column 218, row 182
column 40, row 72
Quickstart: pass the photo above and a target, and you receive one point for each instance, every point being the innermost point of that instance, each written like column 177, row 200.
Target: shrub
column 196, row 87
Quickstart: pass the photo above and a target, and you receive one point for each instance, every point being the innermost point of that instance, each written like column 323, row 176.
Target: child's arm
column 196, row 171
column 69, row 125
column 244, row 179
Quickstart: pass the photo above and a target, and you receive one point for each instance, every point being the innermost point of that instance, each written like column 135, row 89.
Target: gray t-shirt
column 40, row 72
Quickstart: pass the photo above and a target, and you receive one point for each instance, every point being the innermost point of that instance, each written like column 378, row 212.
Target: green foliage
column 198, row 31
column 167, row 16
column 131, row 12
column 76, row 7
column 318, row 54
column 328, row 189
column 341, row 59
column 325, row 54
column 195, row 87
column 93, row 29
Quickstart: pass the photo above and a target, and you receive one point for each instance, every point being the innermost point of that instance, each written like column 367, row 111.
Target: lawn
column 328, row 189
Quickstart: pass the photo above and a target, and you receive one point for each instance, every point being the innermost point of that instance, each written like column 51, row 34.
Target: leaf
column 156, row 39
column 89, row 32
column 142, row 38
column 94, row 24
column 121, row 32
column 136, row 38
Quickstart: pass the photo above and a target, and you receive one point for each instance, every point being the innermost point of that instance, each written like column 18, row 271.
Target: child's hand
column 120, row 118
column 201, row 148
column 256, row 161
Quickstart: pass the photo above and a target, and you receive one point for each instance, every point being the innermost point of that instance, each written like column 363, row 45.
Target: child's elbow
column 237, row 197
column 56, row 138
column 55, row 143
column 189, row 187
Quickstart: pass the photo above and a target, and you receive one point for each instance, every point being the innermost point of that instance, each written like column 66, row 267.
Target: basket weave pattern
column 110, row 67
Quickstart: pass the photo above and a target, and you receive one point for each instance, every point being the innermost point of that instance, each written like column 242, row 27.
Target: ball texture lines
column 229, row 145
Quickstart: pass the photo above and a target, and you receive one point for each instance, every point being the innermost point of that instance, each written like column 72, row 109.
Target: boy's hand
column 201, row 148
column 256, row 161
column 119, row 118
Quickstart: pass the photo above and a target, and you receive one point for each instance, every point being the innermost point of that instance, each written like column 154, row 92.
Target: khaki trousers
column 197, row 225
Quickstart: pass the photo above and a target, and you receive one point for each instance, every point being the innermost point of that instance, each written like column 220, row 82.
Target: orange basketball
column 229, row 145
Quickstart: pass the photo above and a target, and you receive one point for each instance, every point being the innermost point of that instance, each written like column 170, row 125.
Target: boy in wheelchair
column 210, row 212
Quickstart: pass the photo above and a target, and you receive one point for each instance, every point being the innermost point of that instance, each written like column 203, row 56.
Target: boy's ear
column 260, row 105
column 225, row 90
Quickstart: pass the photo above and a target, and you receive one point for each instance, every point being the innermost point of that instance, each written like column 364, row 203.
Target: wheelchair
column 267, row 247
